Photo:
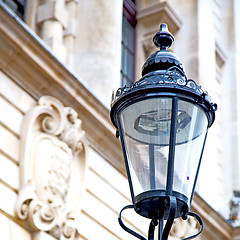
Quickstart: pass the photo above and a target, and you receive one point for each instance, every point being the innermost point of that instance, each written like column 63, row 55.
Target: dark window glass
column 128, row 43
column 17, row 6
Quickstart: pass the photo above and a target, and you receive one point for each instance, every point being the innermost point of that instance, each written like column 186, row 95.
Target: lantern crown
column 164, row 71
column 162, row 59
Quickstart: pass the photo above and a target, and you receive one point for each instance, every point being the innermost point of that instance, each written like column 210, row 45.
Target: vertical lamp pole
column 162, row 120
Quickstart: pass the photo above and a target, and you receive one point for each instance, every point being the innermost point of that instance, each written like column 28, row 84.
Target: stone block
column 11, row 230
column 71, row 28
column 52, row 11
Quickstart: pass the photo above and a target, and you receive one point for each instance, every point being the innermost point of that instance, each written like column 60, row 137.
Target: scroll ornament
column 52, row 169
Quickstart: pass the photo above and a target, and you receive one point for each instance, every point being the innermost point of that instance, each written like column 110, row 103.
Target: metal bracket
column 163, row 233
column 200, row 221
column 125, row 227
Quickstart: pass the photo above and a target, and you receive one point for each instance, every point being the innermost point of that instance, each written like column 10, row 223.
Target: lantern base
column 162, row 232
column 152, row 204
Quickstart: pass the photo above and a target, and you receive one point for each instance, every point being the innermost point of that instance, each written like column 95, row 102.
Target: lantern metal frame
column 163, row 76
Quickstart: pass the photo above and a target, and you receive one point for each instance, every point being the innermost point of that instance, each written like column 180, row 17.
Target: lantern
column 162, row 120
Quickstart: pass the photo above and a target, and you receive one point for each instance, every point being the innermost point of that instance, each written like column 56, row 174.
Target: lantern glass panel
column 189, row 146
column 146, row 131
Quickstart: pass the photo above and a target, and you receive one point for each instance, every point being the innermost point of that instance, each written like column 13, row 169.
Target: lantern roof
column 163, row 72
column 162, row 59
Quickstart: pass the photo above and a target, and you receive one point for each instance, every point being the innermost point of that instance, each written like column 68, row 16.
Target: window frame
column 20, row 4
column 129, row 13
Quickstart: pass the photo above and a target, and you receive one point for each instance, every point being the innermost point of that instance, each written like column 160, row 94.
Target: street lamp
column 162, row 120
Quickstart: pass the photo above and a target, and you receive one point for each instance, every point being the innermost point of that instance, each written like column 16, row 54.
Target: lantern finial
column 163, row 59
column 163, row 39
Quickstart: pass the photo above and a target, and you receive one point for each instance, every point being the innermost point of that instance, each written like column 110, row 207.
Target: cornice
column 29, row 62
column 236, row 234
column 160, row 12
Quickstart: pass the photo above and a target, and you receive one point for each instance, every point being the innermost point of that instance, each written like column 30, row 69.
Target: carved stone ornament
column 183, row 228
column 148, row 47
column 52, row 169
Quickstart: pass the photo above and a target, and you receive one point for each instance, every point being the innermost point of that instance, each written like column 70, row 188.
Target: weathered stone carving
column 53, row 166
column 148, row 47
column 183, row 228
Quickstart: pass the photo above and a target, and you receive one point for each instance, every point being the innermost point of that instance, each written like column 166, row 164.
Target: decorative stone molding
column 157, row 13
column 52, row 169
column 148, row 46
column 150, row 16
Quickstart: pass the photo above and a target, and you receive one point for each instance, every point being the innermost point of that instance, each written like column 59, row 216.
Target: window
column 17, row 6
column 128, row 43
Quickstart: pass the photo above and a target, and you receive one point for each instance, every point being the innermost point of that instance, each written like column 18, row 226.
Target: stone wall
column 73, row 69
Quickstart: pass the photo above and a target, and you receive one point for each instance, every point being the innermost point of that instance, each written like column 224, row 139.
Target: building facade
column 62, row 171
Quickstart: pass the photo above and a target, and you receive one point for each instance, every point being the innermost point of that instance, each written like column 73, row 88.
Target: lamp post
column 162, row 120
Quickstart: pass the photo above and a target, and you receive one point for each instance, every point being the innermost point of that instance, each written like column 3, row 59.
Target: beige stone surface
column 12, row 231
column 13, row 119
column 8, row 199
column 29, row 70
column 9, row 144
column 110, row 201
column 42, row 236
column 14, row 94
column 9, row 172
column 99, row 37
